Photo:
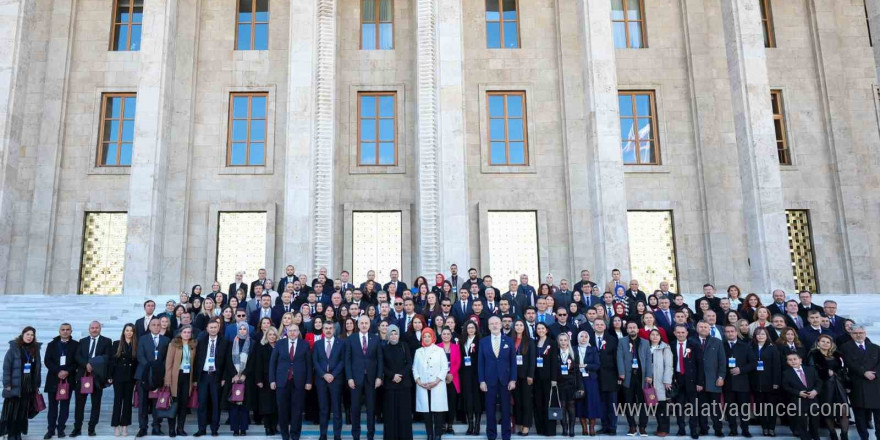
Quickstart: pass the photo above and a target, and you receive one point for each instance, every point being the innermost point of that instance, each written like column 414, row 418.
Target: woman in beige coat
column 661, row 359
column 178, row 376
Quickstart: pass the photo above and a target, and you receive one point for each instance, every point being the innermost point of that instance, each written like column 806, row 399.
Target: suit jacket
column 611, row 286
column 638, row 295
column 625, row 358
column 279, row 309
column 562, row 298
column 328, row 284
column 233, row 287
column 467, row 285
column 792, row 385
column 100, row 361
column 401, row 287
column 282, row 283
column 300, row 365
column 590, row 300
column 556, row 328
column 221, row 354
column 865, row 393
column 459, row 314
column 527, row 291
column 791, row 322
column 335, row 364
column 694, row 373
column 808, row 335
column 763, row 381
column 579, row 287
column 254, row 284
column 776, row 309
column 255, row 317
column 527, row 369
column 745, row 360
column 837, row 325
column 496, row 370
column 607, row 361
column 358, row 364
column 146, row 353
column 714, row 363
column 52, row 362
column 804, row 311
column 140, row 328
column 666, row 324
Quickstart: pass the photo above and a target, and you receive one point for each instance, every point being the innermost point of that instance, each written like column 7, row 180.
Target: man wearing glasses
column 232, row 330
column 562, row 324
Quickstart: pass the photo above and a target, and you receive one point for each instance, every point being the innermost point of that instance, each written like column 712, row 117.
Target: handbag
column 164, row 400
column 87, row 384
column 63, row 391
column 39, row 402
column 672, row 393
column 554, row 412
column 166, row 413
column 153, row 394
column 135, row 398
column 193, row 402
column 650, row 395
column 236, row 394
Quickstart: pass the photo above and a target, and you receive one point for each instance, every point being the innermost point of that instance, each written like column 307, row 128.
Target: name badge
column 27, row 368
column 760, row 365
column 564, row 370
column 584, row 372
column 467, row 361
column 62, row 360
column 540, row 362
column 186, row 369
column 210, row 360
column 731, row 362
column 635, row 363
column 156, row 354
column 519, row 359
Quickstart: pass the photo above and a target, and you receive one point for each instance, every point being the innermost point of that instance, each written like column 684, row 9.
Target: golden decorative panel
column 103, row 253
column 800, row 242
column 376, row 245
column 513, row 246
column 652, row 249
column 241, row 245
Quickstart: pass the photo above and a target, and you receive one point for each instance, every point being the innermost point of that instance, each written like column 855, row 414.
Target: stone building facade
column 716, row 167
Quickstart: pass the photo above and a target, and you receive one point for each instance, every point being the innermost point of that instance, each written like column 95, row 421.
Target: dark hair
column 19, row 341
column 121, row 348
column 193, row 292
column 525, row 338
column 149, row 301
column 464, row 328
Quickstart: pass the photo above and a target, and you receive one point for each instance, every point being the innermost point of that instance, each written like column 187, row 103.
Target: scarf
column 240, row 347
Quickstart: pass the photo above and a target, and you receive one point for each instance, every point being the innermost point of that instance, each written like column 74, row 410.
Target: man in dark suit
column 323, row 279
column 585, row 281
column 142, row 325
column 288, row 278
column 777, row 307
column 463, row 306
column 806, row 305
column 473, row 279
column 562, row 324
column 606, row 343
column 517, row 302
column 363, row 368
column 92, row 358
column 863, row 360
column 563, row 296
column 238, row 284
column 151, row 351
column 688, row 377
column 792, row 315
column 634, row 293
column 714, row 371
column 525, row 293
column 741, row 362
column 290, row 374
column 261, row 280
column 329, row 364
column 401, row 286
column 285, row 304
column 836, row 324
column 664, row 316
column 802, row 383
column 496, row 371
column 345, row 279
column 208, row 372
column 709, row 295
column 265, row 311
column 60, row 362
column 810, row 333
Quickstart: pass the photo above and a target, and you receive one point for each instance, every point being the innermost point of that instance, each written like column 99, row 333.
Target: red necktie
column 681, row 358
column 292, row 351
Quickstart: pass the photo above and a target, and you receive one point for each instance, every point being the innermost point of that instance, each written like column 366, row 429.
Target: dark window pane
column 515, row 129
column 493, row 35
column 368, row 153
column 239, row 130
column 246, row 6
column 111, row 131
column 369, row 10
column 385, row 11
column 492, row 11
column 125, row 154
column 237, row 155
column 633, row 11
column 138, row 16
column 777, row 125
column 261, row 37
column 496, row 129
column 509, row 9
column 617, row 9
column 262, row 10
column 368, row 129
column 386, row 153
column 128, row 131
column 258, row 107
column 244, row 37
column 517, row 153
column 113, row 106
column 497, row 153
column 257, row 154
column 496, row 106
column 368, row 106
column 511, row 37
column 240, row 107
column 514, row 106
column 130, row 107
column 386, row 129
column 258, row 130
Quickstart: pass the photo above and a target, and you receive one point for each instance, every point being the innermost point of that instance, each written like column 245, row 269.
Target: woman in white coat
column 662, row 361
column 430, row 367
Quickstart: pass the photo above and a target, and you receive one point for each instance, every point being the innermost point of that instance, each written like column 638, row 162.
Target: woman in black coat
column 830, row 368
column 545, row 364
column 266, row 403
column 123, row 363
column 765, row 378
column 471, row 396
column 398, row 383
column 568, row 380
column 238, row 366
column 21, row 382
column 523, row 404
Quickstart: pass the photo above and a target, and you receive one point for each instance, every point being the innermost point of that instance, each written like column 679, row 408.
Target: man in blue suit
column 329, row 363
column 151, row 350
column 664, row 316
column 463, row 306
column 496, row 370
column 290, row 373
column 363, row 367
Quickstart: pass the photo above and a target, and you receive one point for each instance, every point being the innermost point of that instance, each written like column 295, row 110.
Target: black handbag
column 167, row 413
column 554, row 412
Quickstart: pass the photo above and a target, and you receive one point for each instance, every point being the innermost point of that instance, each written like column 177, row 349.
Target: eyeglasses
column 562, row 314
column 446, row 305
column 398, row 304
column 239, row 316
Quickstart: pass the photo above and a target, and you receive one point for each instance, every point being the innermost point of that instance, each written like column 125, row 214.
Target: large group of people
column 551, row 357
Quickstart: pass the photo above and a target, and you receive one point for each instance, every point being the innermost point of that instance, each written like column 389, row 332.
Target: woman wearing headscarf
column 397, row 381
column 429, row 371
column 468, row 378
column 178, row 376
column 453, row 386
column 567, row 377
column 21, row 383
column 588, row 409
column 438, row 285
column 241, row 371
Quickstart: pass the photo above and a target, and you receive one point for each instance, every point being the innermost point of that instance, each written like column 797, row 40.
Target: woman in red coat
column 453, row 386
column 649, row 322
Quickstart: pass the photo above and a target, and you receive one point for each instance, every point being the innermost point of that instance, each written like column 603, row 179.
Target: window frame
column 377, row 22
column 102, row 119
column 115, row 26
column 525, row 120
column 786, row 145
column 626, row 21
column 655, row 132
column 229, row 125
column 501, row 25
column 392, row 93
column 253, row 24
column 767, row 23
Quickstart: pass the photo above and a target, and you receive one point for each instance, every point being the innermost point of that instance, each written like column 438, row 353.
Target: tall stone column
column 308, row 162
column 442, row 197
column 43, row 203
column 763, row 207
column 149, row 164
column 603, row 155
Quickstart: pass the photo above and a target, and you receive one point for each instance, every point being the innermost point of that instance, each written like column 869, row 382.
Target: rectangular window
column 247, row 129
column 638, row 128
column 508, row 140
column 767, row 23
column 103, row 253
column 652, row 248
column 117, row 129
column 377, row 244
column 779, row 127
column 377, row 24
column 241, row 245
column 800, row 242
column 513, row 245
column 628, row 24
column 127, row 18
column 252, row 25
column 377, row 128
column 502, row 24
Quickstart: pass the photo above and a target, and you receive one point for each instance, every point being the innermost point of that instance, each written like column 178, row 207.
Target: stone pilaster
column 41, row 227
column 603, row 155
column 763, row 207
column 149, row 164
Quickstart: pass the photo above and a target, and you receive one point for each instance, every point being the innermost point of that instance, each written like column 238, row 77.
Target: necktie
column 292, row 351
column 211, row 351
column 667, row 316
column 801, row 375
column 731, row 345
column 364, row 344
column 713, row 332
column 156, row 346
column 799, row 323
column 286, row 309
column 680, row 358
column 496, row 345
column 328, row 350
column 92, row 349
column 463, row 307
column 703, row 343
column 599, row 342
column 862, row 346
